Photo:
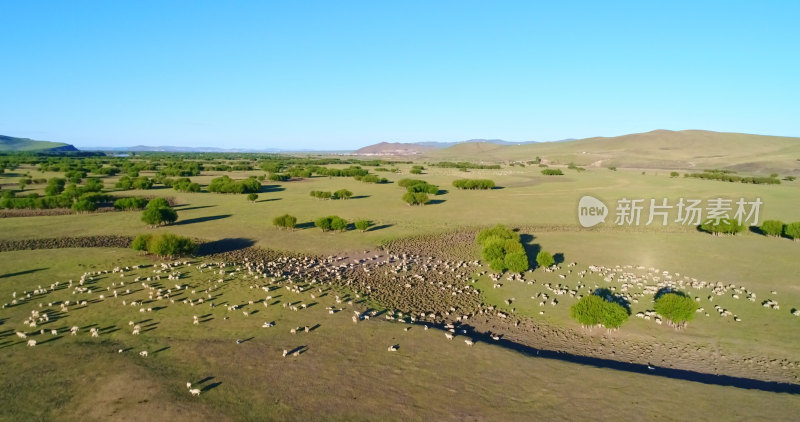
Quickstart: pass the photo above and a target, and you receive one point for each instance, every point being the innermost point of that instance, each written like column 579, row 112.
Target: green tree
column 416, row 198
column 342, row 194
column 363, row 225
column 338, row 223
column 324, row 223
column 285, row 221
column 84, row 205
column 55, row 186
column 159, row 216
column 170, row 245
column 676, row 307
column 517, row 262
column 772, row 227
column 158, row 203
column 792, row 231
column 674, row 174
column 544, row 259
column 593, row 310
column 252, row 197
column 140, row 242
column 723, row 226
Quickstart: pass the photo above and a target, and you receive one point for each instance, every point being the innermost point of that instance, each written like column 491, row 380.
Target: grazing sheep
column 143, row 353
column 392, row 348
column 449, row 336
column 21, row 335
column 468, row 341
column 195, row 391
column 31, row 343
column 285, row 352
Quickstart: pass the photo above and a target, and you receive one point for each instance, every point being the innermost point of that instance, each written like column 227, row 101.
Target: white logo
column 591, row 211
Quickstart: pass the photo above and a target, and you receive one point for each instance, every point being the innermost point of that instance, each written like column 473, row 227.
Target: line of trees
column 331, row 223
column 728, row 176
column 552, row 172
column 474, row 184
column 225, row 184
column 723, row 226
column 339, row 194
column 777, row 228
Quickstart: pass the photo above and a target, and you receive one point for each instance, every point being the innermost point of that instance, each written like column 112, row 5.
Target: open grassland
column 343, row 370
column 525, row 197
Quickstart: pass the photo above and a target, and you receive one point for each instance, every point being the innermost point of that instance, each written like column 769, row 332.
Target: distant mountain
column 416, row 148
column 168, row 148
column 658, row 149
column 10, row 143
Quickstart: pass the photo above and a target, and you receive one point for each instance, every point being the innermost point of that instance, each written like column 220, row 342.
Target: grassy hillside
column 689, row 149
column 10, row 143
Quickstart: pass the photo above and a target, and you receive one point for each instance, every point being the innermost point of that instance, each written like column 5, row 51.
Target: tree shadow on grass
column 359, row 196
column 193, row 208
column 435, row 201
column 382, row 226
column 306, row 225
column 531, row 249
column 271, row 188
column 269, row 200
column 22, row 272
column 558, row 258
column 201, row 219
column 224, row 245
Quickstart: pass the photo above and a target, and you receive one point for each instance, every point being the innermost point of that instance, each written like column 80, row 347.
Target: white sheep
column 31, row 343
column 143, row 353
column 195, row 391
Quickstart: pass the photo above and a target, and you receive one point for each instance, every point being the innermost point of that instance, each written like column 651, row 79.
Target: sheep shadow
column 165, row 348
column 314, row 328
column 299, row 350
column 51, row 339
column 211, row 386
column 205, row 380
column 246, row 340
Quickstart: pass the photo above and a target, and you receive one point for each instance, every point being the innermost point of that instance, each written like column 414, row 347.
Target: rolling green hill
column 10, row 143
column 664, row 149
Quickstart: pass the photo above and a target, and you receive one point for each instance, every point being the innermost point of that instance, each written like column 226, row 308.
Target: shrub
column 323, row 223
column 594, row 310
column 321, row 195
column 55, row 186
column 792, row 231
column 285, row 221
column 544, row 259
column 169, row 245
column 363, row 225
column 338, row 223
column 342, row 194
column 501, row 248
column 419, row 198
column 132, row 203
column 84, row 205
column 499, row 231
column 225, row 184
column 517, row 262
column 184, row 184
column 552, row 172
column 278, row 177
column 416, row 171
column 612, row 168
column 158, row 203
column 676, row 307
column 674, row 174
column 140, row 242
column 474, row 184
column 772, row 227
column 159, row 216
column 252, row 197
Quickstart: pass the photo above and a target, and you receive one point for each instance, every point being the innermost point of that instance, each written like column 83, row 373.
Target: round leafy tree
column 792, row 231
column 772, row 227
column 544, row 259
column 363, row 225
column 676, row 307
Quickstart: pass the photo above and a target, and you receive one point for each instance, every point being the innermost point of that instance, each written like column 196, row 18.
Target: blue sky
column 338, row 75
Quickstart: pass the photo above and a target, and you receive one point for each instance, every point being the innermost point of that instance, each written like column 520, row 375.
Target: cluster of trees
column 165, row 245
column 502, row 249
column 417, row 191
column 158, row 212
column 127, row 182
column 285, row 221
column 466, row 165
column 778, row 228
column 474, row 184
column 729, row 176
column 183, row 184
column 225, row 184
column 594, row 309
column 417, row 169
column 181, row 168
column 676, row 307
column 722, row 226
column 78, row 198
column 331, row 222
column 279, row 177
column 371, row 178
column 339, row 194
column 131, row 203
column 552, row 172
